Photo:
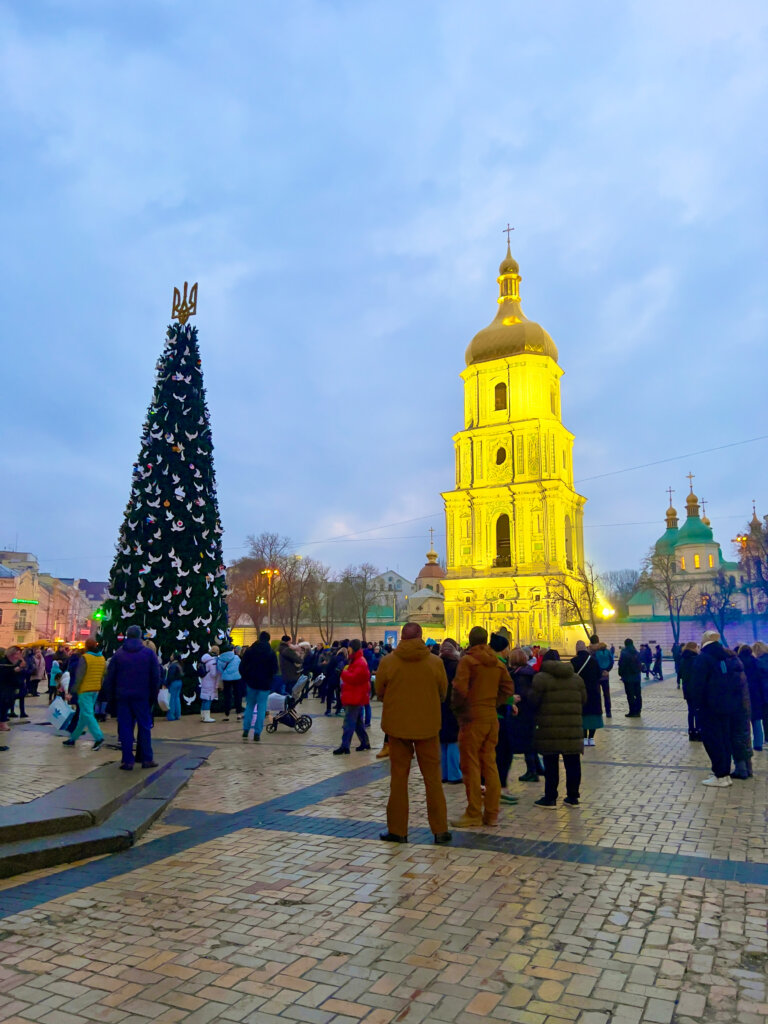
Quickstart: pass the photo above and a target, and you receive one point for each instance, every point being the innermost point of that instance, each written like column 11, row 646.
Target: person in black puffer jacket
column 721, row 696
column 688, row 655
column 559, row 696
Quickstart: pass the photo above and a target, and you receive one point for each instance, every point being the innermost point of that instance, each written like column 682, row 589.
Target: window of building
column 553, row 401
column 568, row 543
column 503, row 549
column 501, row 457
column 500, row 396
column 696, row 562
column 1, row 616
column 711, row 566
column 682, row 562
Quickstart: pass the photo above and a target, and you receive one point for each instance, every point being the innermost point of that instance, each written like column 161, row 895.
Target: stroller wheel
column 303, row 723
column 272, row 727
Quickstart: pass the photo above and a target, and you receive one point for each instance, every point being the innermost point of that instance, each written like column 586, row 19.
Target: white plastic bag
column 164, row 698
column 59, row 713
column 64, row 681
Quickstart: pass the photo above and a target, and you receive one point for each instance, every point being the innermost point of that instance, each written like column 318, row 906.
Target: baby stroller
column 288, row 715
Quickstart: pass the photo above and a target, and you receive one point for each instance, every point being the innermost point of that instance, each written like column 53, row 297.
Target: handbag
column 164, row 698
column 58, row 712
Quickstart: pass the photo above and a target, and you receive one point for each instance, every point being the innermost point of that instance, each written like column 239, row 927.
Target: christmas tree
column 168, row 574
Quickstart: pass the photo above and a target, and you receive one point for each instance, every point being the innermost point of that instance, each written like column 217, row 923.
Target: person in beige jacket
column 411, row 684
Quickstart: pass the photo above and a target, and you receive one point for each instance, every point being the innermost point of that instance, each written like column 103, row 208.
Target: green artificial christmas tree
column 168, row 575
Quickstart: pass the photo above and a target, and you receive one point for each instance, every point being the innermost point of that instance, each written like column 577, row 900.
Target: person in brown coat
column 481, row 684
column 411, row 684
column 559, row 696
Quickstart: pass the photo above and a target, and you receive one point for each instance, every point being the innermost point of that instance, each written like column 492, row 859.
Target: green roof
column 665, row 545
column 693, row 531
column 643, row 597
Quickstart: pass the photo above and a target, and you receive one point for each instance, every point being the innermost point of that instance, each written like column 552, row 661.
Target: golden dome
column 691, row 500
column 511, row 333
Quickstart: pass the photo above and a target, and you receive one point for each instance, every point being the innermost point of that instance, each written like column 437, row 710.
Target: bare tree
column 716, row 603
column 270, row 548
column 247, row 590
column 662, row 575
column 577, row 596
column 357, row 582
column 618, row 586
column 292, row 591
column 322, row 592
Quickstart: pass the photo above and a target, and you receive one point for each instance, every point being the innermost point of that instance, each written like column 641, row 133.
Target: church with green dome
column 696, row 556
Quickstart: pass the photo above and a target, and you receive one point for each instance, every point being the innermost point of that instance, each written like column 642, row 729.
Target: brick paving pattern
column 262, row 895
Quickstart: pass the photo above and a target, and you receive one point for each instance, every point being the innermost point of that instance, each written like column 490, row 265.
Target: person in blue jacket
column 228, row 664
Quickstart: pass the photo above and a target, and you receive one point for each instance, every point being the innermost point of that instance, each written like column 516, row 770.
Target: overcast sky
column 336, row 175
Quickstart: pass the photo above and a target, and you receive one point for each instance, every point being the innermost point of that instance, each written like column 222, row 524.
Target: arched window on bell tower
column 568, row 543
column 503, row 548
column 500, row 397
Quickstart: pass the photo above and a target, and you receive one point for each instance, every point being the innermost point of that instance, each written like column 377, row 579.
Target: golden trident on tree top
column 183, row 308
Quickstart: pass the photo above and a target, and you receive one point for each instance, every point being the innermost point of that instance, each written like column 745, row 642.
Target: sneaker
column 245, row 737
column 256, row 737
column 720, row 783
column 466, row 822
column 529, row 777
column 68, row 743
column 98, row 744
column 327, row 714
column 390, row 837
column 545, row 803
column 341, row 750
column 508, row 798
column 571, row 803
column 441, row 838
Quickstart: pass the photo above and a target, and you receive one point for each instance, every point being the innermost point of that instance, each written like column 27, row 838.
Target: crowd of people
column 462, row 715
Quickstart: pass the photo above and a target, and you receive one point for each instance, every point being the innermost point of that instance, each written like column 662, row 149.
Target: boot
column 205, row 716
column 384, row 752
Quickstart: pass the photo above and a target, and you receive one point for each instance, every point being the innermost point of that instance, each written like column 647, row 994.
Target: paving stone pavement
column 262, row 895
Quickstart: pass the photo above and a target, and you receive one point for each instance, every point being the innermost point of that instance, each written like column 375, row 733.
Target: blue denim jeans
column 353, row 723
column 255, row 699
column 757, row 734
column 449, row 758
column 174, row 704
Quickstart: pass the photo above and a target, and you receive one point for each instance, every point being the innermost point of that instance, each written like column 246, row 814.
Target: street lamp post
column 270, row 572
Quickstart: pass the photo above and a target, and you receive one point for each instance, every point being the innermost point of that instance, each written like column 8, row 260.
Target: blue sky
column 336, row 176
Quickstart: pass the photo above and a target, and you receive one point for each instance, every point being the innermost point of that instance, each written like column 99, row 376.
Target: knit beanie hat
column 710, row 637
column 478, row 635
column 133, row 633
column 498, row 642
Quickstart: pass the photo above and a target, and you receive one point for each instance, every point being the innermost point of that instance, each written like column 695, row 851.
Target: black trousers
column 716, row 734
column 605, row 685
column 634, row 692
column 572, row 763
column 233, row 695
column 333, row 693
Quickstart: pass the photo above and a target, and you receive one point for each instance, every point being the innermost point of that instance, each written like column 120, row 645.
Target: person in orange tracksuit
column 411, row 684
column 481, row 684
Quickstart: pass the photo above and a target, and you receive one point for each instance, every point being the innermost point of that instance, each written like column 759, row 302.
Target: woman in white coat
column 209, row 684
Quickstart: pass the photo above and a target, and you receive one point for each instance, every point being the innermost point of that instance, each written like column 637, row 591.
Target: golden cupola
column 511, row 332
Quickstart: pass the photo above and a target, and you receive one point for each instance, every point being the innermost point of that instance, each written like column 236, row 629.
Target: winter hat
column 478, row 635
column 498, row 642
column 448, row 649
column 133, row 633
column 710, row 637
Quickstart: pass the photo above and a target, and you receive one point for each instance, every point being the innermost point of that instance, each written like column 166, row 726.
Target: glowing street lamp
column 270, row 572
column 607, row 612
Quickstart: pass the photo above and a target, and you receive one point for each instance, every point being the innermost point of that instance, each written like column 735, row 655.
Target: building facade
column 514, row 522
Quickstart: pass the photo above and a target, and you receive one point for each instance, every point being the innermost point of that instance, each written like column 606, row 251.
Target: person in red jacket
column 355, row 694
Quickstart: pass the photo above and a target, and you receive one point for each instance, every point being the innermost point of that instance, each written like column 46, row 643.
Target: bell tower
column 513, row 519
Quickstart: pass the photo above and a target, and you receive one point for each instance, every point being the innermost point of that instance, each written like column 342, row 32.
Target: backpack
column 604, row 659
column 202, row 670
column 324, row 658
